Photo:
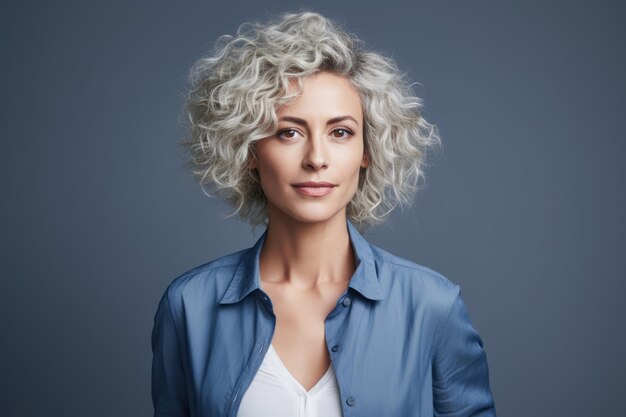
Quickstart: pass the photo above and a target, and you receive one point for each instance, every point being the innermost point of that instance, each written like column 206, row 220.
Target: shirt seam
column 205, row 268
column 178, row 341
column 169, row 310
column 421, row 268
column 436, row 336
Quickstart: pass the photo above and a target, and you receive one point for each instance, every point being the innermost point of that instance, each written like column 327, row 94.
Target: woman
column 302, row 130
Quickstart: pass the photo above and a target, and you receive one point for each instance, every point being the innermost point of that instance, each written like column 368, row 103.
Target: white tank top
column 274, row 392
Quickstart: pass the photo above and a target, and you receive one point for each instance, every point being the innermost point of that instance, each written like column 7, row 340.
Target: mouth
column 314, row 189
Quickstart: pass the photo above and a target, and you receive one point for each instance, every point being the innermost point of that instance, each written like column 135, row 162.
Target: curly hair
column 236, row 91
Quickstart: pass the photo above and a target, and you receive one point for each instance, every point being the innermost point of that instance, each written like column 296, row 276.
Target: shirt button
column 346, row 302
column 336, row 348
column 350, row 401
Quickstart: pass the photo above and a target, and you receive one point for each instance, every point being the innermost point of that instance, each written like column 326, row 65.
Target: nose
column 316, row 153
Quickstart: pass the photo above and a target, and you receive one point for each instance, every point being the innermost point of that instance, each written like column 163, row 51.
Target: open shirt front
column 399, row 338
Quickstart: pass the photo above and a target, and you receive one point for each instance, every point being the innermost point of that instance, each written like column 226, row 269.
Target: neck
column 306, row 255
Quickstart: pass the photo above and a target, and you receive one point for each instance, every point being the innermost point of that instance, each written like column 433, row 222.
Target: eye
column 288, row 134
column 342, row 132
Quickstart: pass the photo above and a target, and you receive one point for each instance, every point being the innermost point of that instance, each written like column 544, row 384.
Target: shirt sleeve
column 169, row 393
column 460, row 371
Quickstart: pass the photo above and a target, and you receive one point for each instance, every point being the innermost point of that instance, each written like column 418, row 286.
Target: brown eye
column 342, row 133
column 288, row 134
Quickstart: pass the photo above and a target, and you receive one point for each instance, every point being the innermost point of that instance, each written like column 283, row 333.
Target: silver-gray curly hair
column 236, row 91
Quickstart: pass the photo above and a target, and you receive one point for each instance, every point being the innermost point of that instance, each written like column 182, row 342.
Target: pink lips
column 314, row 189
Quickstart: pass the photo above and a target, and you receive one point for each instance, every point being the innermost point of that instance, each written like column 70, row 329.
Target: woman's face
column 309, row 169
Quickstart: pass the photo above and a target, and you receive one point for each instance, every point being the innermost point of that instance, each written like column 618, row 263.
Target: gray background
column 524, row 208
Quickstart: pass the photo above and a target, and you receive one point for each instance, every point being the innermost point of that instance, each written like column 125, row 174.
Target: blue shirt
column 399, row 338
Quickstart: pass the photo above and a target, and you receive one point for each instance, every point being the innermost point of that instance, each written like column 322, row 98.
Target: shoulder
column 415, row 283
column 204, row 280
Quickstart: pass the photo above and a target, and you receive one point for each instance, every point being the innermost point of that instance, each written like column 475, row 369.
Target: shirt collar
column 364, row 280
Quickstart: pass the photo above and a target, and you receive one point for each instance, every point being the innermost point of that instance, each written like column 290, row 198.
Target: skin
column 307, row 261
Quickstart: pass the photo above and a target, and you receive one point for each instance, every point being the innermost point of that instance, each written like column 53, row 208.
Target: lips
column 314, row 184
column 314, row 188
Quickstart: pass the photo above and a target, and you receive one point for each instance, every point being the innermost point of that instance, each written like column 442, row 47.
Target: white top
column 274, row 392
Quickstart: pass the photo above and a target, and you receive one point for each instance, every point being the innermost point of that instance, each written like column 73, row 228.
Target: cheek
column 351, row 159
column 271, row 170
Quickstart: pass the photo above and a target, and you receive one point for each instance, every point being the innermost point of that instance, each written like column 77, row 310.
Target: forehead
column 324, row 94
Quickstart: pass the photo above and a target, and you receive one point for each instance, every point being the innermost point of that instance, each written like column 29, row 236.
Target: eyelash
column 345, row 129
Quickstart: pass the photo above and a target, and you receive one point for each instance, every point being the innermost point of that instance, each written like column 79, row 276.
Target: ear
column 366, row 160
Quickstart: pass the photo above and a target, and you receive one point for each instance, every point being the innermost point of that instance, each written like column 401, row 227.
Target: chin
column 310, row 214
column 313, row 217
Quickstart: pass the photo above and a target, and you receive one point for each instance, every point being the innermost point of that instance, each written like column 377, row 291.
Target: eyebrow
column 303, row 122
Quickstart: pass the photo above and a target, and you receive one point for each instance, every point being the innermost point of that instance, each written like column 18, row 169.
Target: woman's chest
column 380, row 356
column 299, row 336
